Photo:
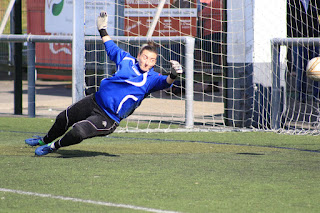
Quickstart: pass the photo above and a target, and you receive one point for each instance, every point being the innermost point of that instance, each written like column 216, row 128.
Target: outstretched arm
column 113, row 51
column 102, row 24
column 170, row 80
column 106, row 38
column 176, row 69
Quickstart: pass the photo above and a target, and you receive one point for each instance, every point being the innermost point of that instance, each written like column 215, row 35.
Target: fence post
column 17, row 29
column 31, row 80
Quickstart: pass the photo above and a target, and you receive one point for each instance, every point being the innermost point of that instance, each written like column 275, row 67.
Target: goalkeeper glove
column 102, row 23
column 176, row 69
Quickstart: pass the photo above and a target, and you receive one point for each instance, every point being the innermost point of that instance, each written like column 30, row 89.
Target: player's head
column 147, row 56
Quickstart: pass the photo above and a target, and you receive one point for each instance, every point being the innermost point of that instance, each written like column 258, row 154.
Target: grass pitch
column 158, row 172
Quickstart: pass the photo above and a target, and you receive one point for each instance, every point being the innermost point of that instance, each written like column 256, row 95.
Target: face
column 147, row 60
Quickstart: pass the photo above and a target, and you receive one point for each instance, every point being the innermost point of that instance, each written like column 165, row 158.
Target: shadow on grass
column 82, row 153
column 249, row 153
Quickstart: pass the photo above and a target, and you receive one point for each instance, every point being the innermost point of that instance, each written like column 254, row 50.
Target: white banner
column 59, row 13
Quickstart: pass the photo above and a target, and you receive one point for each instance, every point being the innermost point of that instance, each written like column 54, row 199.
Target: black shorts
column 88, row 117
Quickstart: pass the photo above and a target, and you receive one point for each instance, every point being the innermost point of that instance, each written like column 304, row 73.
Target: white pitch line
column 86, row 201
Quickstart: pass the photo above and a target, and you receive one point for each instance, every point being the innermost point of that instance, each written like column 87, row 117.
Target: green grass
column 185, row 172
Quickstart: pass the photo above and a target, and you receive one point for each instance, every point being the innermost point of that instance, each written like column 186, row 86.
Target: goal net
column 301, row 112
column 175, row 32
column 241, row 78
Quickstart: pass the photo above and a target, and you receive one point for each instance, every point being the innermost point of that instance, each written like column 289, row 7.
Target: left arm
column 163, row 82
column 170, row 80
column 176, row 69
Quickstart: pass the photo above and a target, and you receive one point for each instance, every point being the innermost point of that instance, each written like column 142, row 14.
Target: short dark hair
column 150, row 46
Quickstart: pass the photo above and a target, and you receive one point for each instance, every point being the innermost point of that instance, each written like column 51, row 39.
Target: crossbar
column 295, row 41
column 89, row 39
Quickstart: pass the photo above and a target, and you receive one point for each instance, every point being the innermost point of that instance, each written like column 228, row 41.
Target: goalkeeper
column 99, row 114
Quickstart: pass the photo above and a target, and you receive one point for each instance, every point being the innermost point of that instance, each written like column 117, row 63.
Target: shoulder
column 129, row 57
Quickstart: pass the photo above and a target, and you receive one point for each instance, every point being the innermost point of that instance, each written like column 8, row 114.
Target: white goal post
column 293, row 115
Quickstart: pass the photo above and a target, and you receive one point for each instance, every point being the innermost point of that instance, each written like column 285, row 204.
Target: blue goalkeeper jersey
column 122, row 93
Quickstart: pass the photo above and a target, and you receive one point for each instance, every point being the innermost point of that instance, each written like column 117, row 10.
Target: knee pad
column 71, row 137
column 84, row 129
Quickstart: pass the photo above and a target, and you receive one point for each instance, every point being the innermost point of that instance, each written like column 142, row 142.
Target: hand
column 102, row 21
column 176, row 69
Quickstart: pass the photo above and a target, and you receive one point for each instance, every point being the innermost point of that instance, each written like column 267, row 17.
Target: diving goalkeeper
column 99, row 114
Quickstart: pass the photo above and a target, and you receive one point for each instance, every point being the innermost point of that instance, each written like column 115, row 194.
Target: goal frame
column 276, row 109
column 78, row 77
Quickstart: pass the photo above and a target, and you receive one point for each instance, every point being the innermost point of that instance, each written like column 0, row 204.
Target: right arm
column 106, row 38
column 113, row 51
column 102, row 24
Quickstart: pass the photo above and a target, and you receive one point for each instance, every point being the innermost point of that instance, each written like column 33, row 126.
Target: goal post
column 294, row 116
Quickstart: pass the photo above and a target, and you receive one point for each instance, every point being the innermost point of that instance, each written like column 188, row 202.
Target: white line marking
column 86, row 201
